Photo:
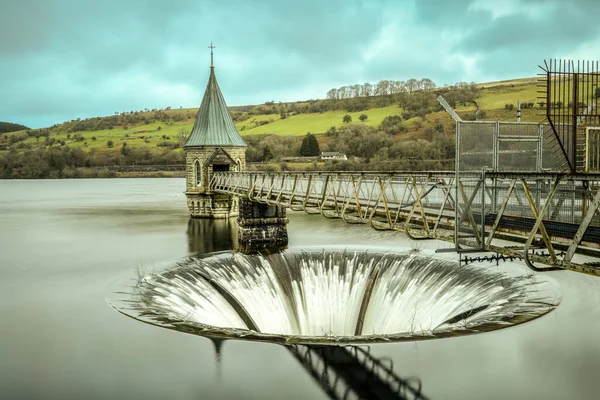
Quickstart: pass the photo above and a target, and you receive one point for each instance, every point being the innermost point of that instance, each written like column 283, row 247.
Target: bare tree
column 427, row 84
column 343, row 92
column 367, row 89
column 382, row 88
column 411, row 85
column 332, row 94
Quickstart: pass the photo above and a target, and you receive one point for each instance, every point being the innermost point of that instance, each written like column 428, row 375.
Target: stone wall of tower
column 202, row 203
column 201, row 155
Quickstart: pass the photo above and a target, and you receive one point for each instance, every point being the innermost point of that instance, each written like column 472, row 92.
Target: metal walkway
column 550, row 220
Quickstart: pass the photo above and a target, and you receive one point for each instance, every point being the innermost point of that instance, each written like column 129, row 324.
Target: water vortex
column 333, row 296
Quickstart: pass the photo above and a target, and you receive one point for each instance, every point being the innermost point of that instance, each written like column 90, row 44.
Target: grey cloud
column 24, row 26
column 440, row 14
column 559, row 29
column 63, row 59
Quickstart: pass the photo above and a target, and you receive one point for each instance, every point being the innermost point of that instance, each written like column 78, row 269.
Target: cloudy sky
column 64, row 59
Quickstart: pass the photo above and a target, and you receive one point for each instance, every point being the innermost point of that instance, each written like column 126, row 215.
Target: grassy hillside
column 317, row 122
column 496, row 97
column 156, row 136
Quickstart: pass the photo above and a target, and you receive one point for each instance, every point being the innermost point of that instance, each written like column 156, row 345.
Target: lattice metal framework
column 548, row 217
column 571, row 97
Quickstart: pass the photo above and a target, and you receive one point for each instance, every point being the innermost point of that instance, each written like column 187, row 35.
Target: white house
column 332, row 155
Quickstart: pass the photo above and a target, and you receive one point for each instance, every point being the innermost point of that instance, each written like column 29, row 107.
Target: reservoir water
column 64, row 244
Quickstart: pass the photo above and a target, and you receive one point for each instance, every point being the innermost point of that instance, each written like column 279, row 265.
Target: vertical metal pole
column 573, row 197
column 495, row 194
column 540, row 148
column 574, row 118
column 496, row 162
column 456, row 182
column 593, row 150
column 483, row 209
column 538, row 162
column 587, row 150
column 565, row 98
column 495, row 145
column 595, row 147
column 549, row 93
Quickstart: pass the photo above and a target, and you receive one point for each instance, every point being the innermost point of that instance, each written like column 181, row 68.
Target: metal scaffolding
column 546, row 217
column 570, row 92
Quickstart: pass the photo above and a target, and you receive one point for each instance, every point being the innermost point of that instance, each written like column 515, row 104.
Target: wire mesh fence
column 499, row 146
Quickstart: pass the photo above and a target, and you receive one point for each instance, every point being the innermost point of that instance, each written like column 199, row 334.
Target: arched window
column 198, row 173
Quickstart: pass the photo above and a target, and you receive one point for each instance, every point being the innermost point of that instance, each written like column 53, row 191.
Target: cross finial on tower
column 211, row 47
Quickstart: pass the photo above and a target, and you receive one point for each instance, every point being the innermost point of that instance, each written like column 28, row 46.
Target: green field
column 318, row 122
column 497, row 97
column 145, row 135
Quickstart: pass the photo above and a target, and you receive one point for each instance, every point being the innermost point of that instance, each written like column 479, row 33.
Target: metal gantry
column 505, row 146
column 570, row 92
column 547, row 219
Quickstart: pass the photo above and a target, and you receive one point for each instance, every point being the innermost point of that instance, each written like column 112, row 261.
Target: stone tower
column 214, row 145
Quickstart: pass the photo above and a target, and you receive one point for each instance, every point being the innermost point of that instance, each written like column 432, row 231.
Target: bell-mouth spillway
column 333, row 297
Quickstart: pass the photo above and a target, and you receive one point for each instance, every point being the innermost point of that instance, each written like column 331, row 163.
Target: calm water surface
column 64, row 243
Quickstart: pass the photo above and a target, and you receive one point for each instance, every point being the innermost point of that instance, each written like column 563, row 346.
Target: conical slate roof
column 214, row 126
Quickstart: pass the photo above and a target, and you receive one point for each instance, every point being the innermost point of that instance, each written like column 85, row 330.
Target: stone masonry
column 261, row 226
column 202, row 202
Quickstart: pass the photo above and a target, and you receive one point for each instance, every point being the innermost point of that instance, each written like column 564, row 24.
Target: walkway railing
column 549, row 219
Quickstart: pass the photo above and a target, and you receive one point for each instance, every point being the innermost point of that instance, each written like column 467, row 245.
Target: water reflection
column 347, row 372
column 352, row 372
column 211, row 235
column 214, row 235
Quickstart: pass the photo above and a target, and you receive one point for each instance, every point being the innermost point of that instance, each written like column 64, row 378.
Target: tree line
column 11, row 127
column 381, row 88
column 67, row 162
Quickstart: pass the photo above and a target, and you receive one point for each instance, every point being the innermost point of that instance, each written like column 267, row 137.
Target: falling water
column 337, row 295
column 218, row 345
